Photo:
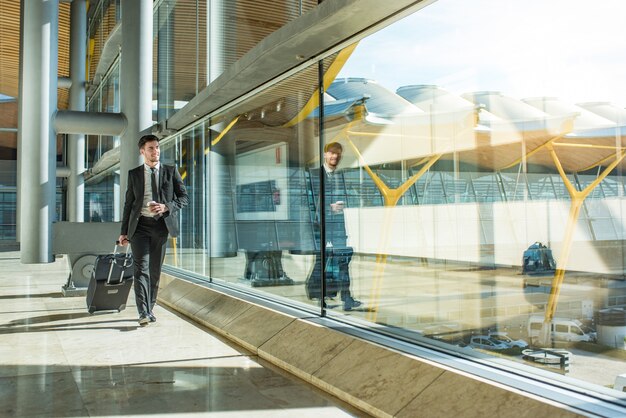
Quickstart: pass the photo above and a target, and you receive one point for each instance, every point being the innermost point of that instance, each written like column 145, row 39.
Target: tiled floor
column 56, row 360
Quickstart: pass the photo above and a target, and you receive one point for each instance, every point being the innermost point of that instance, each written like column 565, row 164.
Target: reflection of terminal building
column 502, row 174
column 479, row 171
column 445, row 193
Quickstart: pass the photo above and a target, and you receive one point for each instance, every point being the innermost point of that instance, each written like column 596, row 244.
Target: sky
column 571, row 49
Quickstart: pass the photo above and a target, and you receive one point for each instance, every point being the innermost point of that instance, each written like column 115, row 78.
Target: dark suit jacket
column 334, row 191
column 172, row 193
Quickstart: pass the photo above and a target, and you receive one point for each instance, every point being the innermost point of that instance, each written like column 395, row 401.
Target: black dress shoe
column 152, row 317
column 351, row 303
column 144, row 320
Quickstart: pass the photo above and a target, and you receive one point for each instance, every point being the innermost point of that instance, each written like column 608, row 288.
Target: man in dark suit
column 154, row 196
column 338, row 253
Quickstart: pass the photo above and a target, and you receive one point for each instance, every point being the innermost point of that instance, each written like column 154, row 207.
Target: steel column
column 217, row 39
column 37, row 153
column 76, row 145
column 89, row 123
column 165, row 59
column 135, row 81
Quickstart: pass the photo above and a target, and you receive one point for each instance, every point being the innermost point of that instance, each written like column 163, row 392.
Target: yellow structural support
column 329, row 77
column 223, row 133
column 391, row 198
column 577, row 200
column 568, row 144
column 534, row 151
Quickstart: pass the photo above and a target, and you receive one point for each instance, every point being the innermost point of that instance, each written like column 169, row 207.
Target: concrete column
column 221, row 211
column 37, row 154
column 221, row 217
column 117, row 198
column 135, row 81
column 65, row 82
column 18, row 199
column 76, row 145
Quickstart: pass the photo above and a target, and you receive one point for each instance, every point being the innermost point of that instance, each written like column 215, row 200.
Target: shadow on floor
column 27, row 325
column 33, row 296
column 48, row 318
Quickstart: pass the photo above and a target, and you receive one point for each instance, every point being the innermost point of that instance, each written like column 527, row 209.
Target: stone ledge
column 373, row 378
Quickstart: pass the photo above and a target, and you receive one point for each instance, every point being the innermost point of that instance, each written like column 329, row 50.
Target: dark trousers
column 337, row 274
column 148, row 244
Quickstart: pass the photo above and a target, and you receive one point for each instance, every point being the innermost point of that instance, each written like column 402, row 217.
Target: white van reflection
column 563, row 329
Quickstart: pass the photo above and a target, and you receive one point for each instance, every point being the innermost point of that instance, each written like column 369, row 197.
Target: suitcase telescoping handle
column 128, row 261
column 116, row 251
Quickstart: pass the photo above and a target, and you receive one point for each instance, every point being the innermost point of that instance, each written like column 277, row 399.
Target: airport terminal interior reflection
column 483, row 200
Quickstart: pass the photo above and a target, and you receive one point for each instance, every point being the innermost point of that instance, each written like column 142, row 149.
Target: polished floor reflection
column 58, row 360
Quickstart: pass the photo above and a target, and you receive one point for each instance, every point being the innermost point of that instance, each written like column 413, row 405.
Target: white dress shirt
column 147, row 188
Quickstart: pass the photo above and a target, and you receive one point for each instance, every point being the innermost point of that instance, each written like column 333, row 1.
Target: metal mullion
column 500, row 181
column 322, row 191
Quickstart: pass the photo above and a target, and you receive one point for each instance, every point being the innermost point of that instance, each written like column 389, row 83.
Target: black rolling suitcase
column 110, row 282
column 337, row 273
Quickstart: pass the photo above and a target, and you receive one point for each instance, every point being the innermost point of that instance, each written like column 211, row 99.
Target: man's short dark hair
column 333, row 145
column 147, row 138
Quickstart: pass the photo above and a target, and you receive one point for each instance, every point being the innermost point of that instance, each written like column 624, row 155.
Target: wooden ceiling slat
column 10, row 51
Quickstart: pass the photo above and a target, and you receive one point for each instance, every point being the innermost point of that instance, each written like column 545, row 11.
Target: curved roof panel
column 505, row 107
column 555, row 107
column 433, row 98
column 379, row 100
column 606, row 110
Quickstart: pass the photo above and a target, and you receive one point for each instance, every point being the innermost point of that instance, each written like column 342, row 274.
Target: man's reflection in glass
column 338, row 253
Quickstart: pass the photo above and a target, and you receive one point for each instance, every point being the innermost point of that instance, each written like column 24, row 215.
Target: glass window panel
column 252, row 212
column 187, row 152
column 99, row 200
column 469, row 175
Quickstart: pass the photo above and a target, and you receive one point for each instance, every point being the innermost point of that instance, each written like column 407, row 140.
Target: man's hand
column 123, row 240
column 338, row 206
column 158, row 208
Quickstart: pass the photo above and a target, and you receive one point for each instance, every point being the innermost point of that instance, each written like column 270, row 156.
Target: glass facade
column 484, row 204
column 197, row 40
column 8, row 203
column 100, row 189
column 249, row 186
column 477, row 202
